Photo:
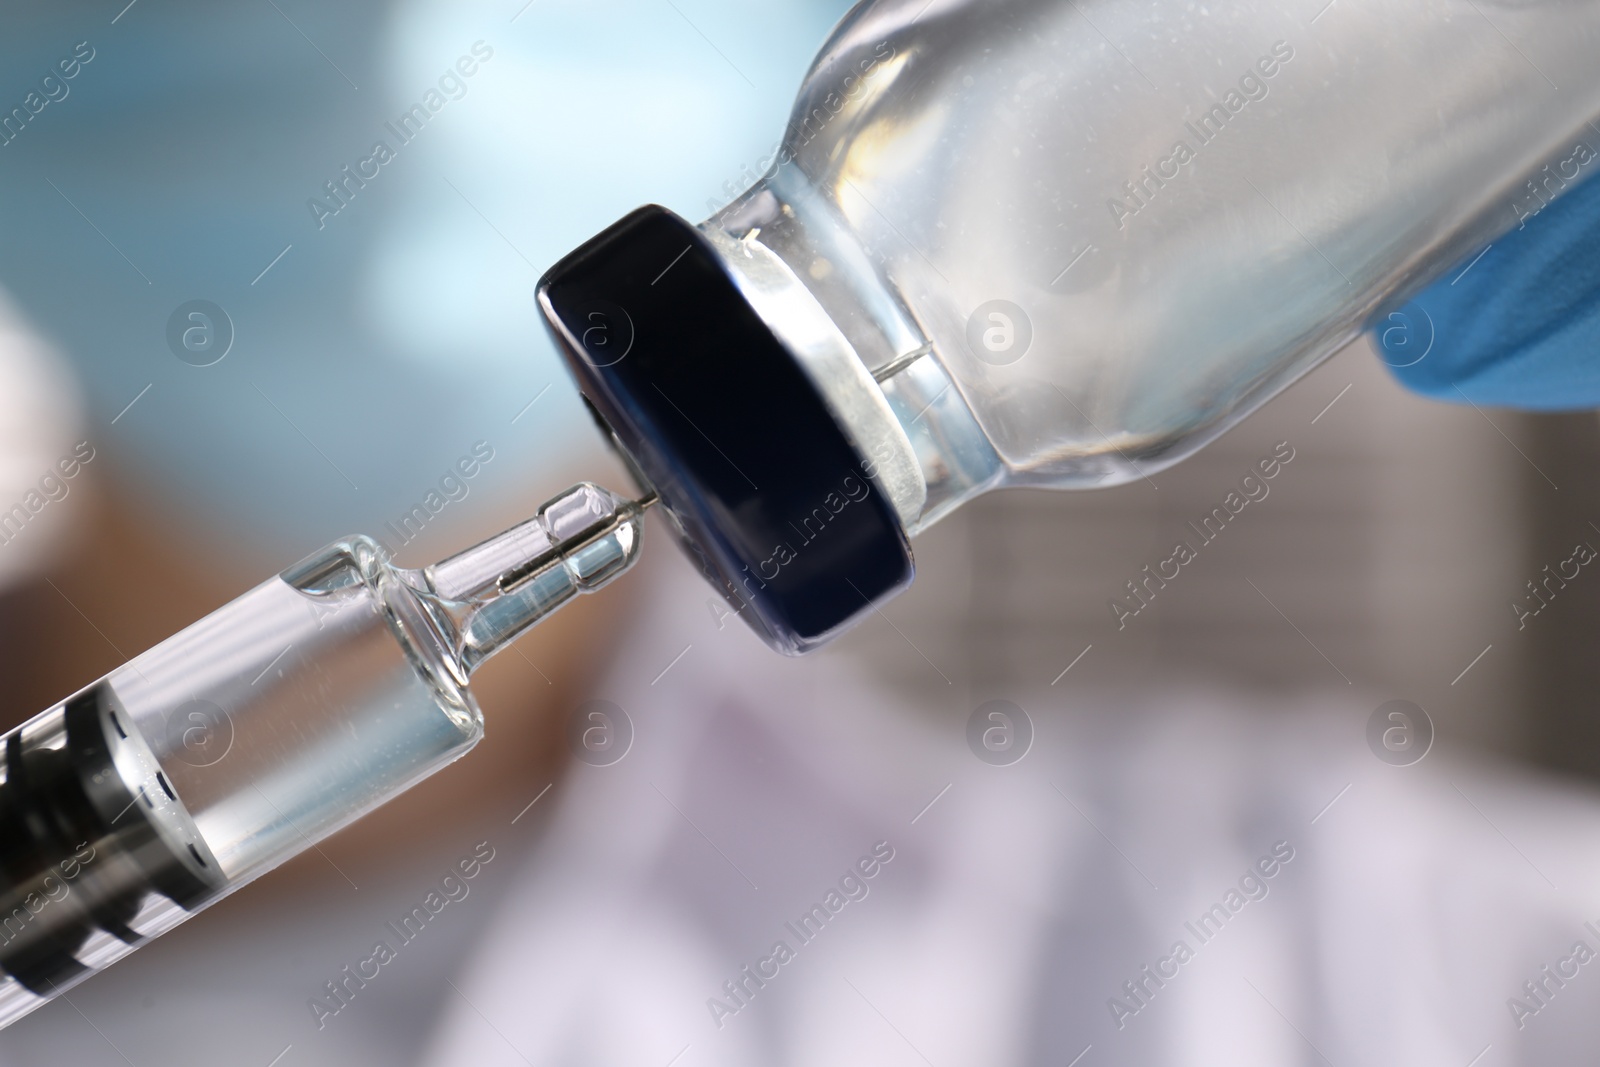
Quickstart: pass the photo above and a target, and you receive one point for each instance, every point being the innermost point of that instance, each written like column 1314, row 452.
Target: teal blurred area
column 387, row 339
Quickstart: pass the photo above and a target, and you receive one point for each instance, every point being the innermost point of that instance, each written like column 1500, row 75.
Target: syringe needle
column 566, row 541
column 578, row 542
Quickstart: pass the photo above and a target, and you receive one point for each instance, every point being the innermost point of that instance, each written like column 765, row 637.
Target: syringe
column 261, row 729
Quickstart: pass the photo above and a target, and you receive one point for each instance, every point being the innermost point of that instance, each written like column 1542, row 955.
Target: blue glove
column 1520, row 326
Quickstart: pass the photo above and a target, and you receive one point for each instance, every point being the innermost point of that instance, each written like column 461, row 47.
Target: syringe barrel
column 211, row 758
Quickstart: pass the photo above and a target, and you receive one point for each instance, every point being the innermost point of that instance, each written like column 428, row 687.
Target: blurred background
column 372, row 347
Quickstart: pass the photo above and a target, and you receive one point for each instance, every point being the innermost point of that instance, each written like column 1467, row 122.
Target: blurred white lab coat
column 1021, row 898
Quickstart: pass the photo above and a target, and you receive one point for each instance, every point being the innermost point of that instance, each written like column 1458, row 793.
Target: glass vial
column 1052, row 243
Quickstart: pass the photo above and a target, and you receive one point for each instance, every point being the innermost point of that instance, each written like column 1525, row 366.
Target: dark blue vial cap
column 768, row 494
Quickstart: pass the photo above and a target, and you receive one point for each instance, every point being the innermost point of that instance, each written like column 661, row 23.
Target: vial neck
column 806, row 273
